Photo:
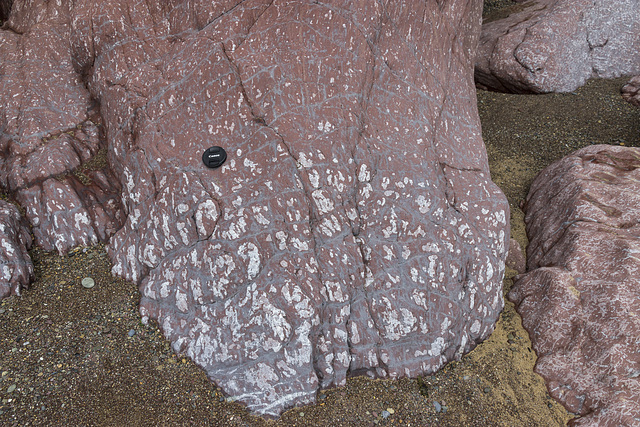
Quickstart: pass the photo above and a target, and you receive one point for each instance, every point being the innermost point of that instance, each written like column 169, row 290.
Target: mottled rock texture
column 16, row 269
column 556, row 45
column 354, row 227
column 50, row 131
column 631, row 91
column 579, row 301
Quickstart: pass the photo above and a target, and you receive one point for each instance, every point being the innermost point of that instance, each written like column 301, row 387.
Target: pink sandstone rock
column 16, row 269
column 631, row 91
column 556, row 45
column 354, row 227
column 580, row 298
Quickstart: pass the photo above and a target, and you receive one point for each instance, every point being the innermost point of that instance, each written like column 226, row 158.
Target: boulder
column 631, row 91
column 16, row 269
column 353, row 228
column 52, row 132
column 556, row 45
column 580, row 297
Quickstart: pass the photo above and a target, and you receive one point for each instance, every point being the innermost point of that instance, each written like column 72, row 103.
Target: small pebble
column 11, row 388
column 487, row 389
column 391, row 411
column 2, row 310
column 88, row 282
column 385, row 414
column 302, row 414
column 131, row 332
column 437, row 405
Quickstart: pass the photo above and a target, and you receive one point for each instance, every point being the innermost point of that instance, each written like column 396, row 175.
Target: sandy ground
column 76, row 356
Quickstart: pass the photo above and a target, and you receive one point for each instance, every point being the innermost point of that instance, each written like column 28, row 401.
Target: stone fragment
column 88, row 282
column 580, row 298
column 16, row 269
column 631, row 91
column 515, row 258
column 556, row 45
column 354, row 227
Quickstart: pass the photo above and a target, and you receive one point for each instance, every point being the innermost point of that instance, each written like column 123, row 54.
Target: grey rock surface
column 580, row 298
column 16, row 269
column 354, row 227
column 556, row 45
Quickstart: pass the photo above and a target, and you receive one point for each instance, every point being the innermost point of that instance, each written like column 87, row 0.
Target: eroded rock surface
column 631, row 91
column 354, row 227
column 16, row 269
column 50, row 132
column 579, row 301
column 556, row 45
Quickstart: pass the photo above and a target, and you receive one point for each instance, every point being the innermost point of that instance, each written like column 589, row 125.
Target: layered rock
column 354, row 227
column 580, row 298
column 16, row 269
column 556, row 45
column 631, row 91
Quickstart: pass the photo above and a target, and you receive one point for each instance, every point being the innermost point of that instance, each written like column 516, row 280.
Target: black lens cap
column 214, row 157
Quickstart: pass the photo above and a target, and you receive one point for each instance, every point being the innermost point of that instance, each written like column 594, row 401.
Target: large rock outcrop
column 579, row 301
column 16, row 269
column 354, row 227
column 51, row 132
column 556, row 45
column 631, row 91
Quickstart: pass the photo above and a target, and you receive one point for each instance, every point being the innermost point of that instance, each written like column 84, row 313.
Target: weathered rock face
column 354, row 227
column 631, row 91
column 556, row 45
column 580, row 298
column 16, row 269
column 51, row 133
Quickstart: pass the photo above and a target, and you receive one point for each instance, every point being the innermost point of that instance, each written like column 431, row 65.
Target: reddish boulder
column 631, row 91
column 16, row 269
column 354, row 227
column 51, row 133
column 580, row 298
column 556, row 45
